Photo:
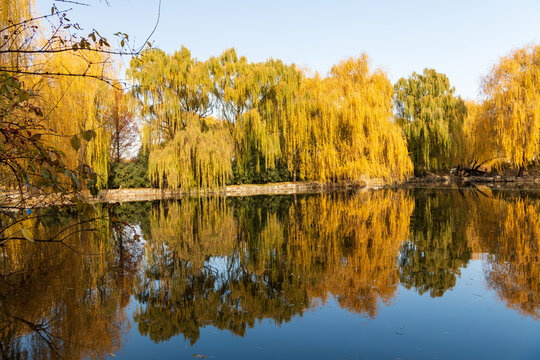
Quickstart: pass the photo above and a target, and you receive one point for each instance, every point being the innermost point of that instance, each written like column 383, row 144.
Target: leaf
column 52, row 156
column 75, row 180
column 75, row 142
column 24, row 96
column 45, row 173
column 88, row 135
column 27, row 235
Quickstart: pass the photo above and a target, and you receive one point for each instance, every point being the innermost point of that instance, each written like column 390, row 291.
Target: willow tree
column 247, row 96
column 339, row 127
column 479, row 145
column 79, row 106
column 512, row 91
column 187, row 148
column 431, row 117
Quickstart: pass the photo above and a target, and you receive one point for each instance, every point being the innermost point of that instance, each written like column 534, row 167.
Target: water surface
column 389, row 274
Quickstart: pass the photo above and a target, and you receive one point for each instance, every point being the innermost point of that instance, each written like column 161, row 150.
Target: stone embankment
column 123, row 195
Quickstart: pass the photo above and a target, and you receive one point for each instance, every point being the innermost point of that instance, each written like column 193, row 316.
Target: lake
column 377, row 274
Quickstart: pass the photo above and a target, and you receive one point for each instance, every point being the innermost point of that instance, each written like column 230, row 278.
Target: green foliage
column 131, row 174
column 432, row 119
column 437, row 249
column 249, row 174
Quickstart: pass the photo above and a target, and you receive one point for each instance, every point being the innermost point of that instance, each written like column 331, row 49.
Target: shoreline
column 496, row 182
column 290, row 188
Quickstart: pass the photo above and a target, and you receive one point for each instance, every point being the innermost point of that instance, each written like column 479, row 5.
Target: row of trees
column 205, row 121
column 227, row 120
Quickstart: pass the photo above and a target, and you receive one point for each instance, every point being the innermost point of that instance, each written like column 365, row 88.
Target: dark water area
column 383, row 274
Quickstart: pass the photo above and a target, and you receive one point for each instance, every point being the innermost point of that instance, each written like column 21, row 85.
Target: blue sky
column 462, row 39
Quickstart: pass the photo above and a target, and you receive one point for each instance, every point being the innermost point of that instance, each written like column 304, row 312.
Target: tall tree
column 431, row 117
column 512, row 91
column 122, row 127
column 339, row 127
column 187, row 147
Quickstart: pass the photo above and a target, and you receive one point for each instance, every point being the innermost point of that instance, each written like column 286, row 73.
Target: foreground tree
column 512, row 91
column 53, row 106
column 431, row 117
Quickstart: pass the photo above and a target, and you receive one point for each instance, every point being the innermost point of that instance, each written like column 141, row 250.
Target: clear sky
column 462, row 39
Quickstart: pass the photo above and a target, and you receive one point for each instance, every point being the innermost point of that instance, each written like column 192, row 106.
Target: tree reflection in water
column 233, row 262
column 276, row 260
column 60, row 302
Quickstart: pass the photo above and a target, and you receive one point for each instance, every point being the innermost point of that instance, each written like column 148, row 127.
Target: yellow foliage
column 479, row 143
column 328, row 129
column 339, row 127
column 512, row 91
column 74, row 104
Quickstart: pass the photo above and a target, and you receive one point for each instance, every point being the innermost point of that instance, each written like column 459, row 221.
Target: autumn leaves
column 207, row 122
column 444, row 131
column 329, row 129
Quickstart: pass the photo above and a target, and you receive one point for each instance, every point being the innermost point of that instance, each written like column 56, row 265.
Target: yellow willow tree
column 479, row 142
column 187, row 147
column 13, row 12
column 339, row 127
column 79, row 106
column 512, row 91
